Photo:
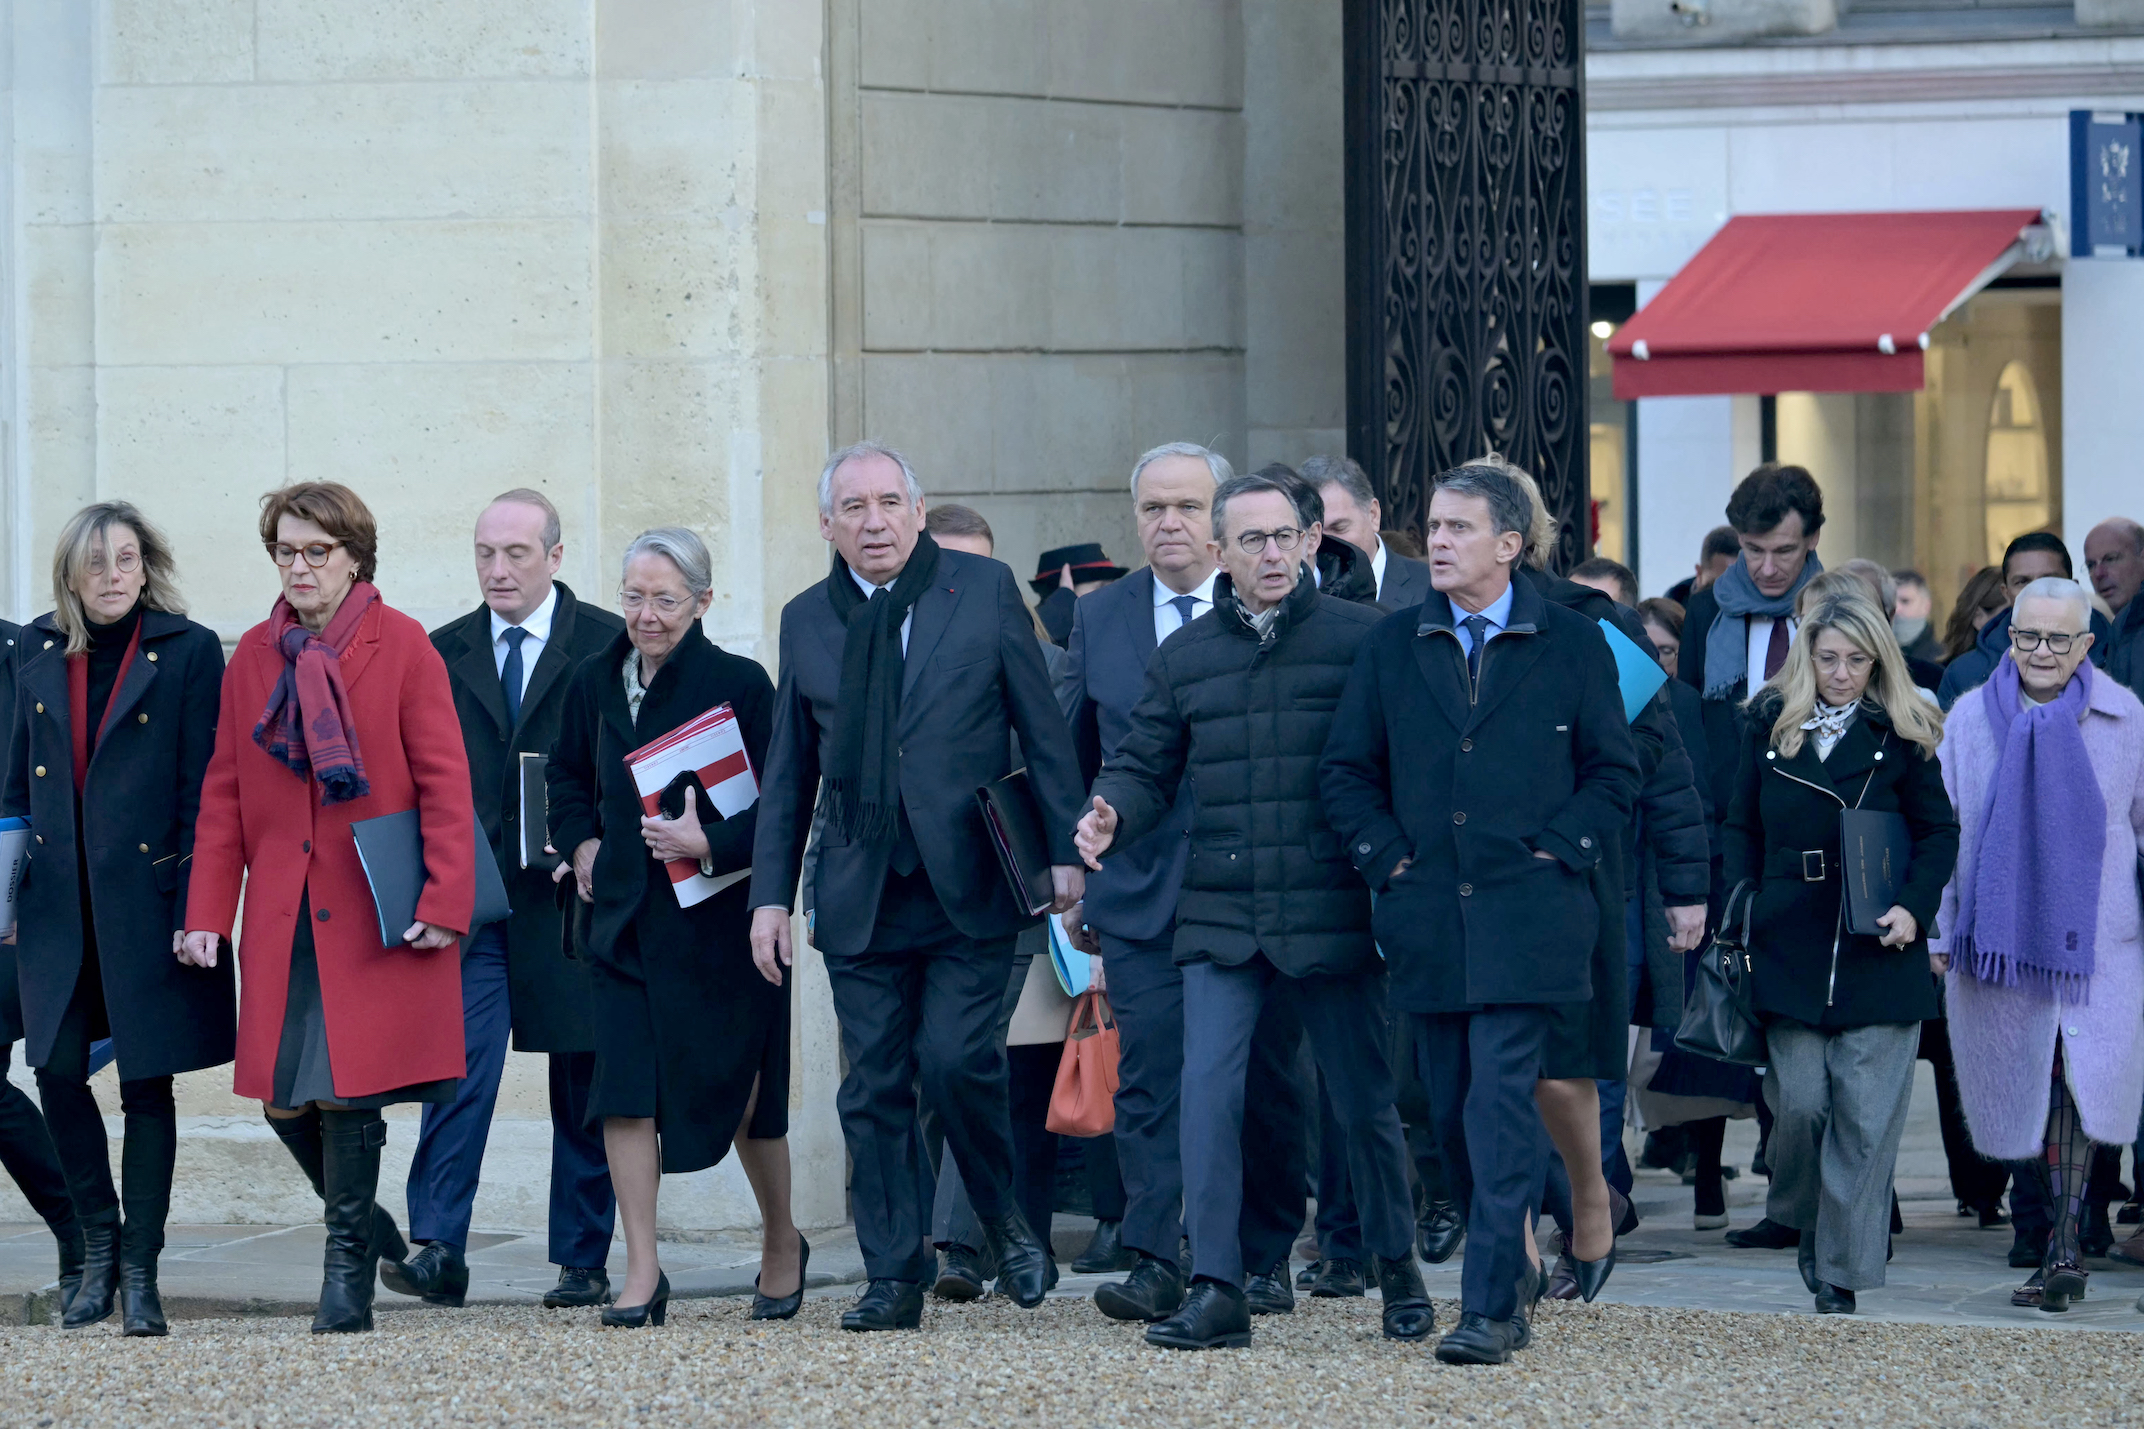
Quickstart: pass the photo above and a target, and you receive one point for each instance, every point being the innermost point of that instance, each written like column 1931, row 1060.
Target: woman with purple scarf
column 2045, row 763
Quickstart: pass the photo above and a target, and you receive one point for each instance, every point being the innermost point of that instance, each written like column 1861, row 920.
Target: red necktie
column 1775, row 649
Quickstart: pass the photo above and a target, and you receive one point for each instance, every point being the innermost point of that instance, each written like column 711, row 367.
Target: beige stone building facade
column 654, row 257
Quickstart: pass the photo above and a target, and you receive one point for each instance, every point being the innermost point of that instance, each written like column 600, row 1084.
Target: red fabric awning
column 1813, row 302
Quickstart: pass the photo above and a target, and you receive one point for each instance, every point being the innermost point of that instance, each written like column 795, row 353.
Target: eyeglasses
column 2027, row 641
column 1829, row 661
column 634, row 602
column 1284, row 540
column 127, row 563
column 315, row 554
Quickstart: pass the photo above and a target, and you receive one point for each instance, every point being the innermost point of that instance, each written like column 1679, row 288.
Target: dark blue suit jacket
column 1133, row 897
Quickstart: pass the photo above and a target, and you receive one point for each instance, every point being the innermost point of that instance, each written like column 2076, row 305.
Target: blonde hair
column 1541, row 531
column 79, row 541
column 1855, row 615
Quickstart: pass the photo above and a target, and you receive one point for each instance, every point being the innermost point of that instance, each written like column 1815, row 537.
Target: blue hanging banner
column 2106, row 184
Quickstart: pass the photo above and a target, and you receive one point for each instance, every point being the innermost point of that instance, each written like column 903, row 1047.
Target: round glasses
column 127, row 563
column 1284, row 540
column 315, row 554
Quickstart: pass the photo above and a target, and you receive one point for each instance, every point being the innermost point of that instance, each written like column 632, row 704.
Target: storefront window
column 1613, row 431
column 2017, row 486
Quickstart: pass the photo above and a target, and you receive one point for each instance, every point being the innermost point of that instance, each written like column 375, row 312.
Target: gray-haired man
column 1352, row 513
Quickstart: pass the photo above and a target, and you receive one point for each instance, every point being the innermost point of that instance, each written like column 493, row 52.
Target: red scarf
column 78, row 703
column 307, row 726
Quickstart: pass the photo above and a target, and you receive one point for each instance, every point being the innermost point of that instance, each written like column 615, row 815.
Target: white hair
column 862, row 449
column 2062, row 589
column 681, row 548
column 1215, row 462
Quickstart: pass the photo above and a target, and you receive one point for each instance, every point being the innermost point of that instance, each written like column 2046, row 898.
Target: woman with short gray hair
column 692, row 1045
column 2039, row 930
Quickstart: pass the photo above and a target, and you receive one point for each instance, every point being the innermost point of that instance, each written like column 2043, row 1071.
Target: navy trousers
column 1222, row 1007
column 452, row 1135
column 1480, row 1069
column 1146, row 992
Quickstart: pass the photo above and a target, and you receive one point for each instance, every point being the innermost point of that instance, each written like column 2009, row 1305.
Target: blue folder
column 1074, row 968
column 1636, row 669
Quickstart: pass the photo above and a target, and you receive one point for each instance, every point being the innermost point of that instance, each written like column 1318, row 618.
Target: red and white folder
column 711, row 746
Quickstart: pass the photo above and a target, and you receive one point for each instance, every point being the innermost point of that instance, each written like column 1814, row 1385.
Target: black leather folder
column 391, row 848
column 1015, row 823
column 535, row 814
column 1877, row 849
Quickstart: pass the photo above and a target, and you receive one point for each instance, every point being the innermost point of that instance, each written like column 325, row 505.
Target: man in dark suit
column 904, row 675
column 1130, row 916
column 1353, row 514
column 1235, row 707
column 1478, row 766
column 508, row 663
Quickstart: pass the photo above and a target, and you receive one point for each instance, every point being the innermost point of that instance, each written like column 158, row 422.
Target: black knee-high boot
column 350, row 1143
column 146, row 1159
column 300, row 1136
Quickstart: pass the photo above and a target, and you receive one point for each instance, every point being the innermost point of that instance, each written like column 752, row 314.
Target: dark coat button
column 1466, row 890
column 1466, row 746
column 1459, row 816
column 322, row 915
column 307, row 846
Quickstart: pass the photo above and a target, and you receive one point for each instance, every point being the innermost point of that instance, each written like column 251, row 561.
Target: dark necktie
column 510, row 673
column 1477, row 627
column 1775, row 648
column 1185, row 605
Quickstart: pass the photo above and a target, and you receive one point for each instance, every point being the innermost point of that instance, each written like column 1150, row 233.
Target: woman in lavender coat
column 2039, row 928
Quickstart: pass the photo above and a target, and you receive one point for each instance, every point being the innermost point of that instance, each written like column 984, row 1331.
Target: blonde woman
column 1840, row 726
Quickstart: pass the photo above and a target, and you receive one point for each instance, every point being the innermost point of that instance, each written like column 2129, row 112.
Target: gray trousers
column 1839, row 1099
column 952, row 1216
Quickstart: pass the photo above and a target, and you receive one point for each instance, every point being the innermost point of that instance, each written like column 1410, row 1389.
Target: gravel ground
column 992, row 1364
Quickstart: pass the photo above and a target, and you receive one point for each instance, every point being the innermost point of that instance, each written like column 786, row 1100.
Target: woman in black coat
column 1840, row 726
column 692, row 1044
column 115, row 718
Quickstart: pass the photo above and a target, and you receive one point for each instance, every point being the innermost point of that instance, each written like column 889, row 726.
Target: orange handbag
column 1084, row 1100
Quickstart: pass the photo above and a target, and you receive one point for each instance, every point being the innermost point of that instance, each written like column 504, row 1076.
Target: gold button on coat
column 144, row 848
column 40, row 706
column 143, row 718
column 40, row 771
column 152, row 657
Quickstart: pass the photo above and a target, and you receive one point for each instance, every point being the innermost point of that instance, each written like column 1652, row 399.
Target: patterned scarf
column 1829, row 725
column 307, row 726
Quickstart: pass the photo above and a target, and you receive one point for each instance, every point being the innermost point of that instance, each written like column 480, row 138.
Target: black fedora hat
column 1087, row 563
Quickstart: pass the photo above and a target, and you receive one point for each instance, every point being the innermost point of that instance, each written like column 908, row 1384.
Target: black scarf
column 863, row 779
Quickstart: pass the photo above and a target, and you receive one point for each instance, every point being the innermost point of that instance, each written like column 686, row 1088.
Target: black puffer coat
column 1243, row 721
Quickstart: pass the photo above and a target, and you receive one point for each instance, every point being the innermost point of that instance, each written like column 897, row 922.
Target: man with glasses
column 1236, row 707
column 507, row 662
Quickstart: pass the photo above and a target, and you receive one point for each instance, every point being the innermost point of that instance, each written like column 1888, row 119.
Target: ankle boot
column 69, row 1235
column 300, row 1136
column 100, row 1272
column 351, row 1142
column 141, row 1310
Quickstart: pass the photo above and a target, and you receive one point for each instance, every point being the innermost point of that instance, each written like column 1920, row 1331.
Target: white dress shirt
column 538, row 626
column 1166, row 621
column 1760, row 640
column 1377, row 567
column 870, row 590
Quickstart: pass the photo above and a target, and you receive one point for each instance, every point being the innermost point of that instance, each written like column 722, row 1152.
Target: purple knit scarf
column 2029, row 910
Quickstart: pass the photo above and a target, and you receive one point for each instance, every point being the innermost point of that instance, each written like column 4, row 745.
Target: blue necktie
column 510, row 674
column 1477, row 627
column 1184, row 604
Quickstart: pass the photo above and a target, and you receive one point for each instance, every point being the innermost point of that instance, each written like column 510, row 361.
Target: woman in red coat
column 335, row 709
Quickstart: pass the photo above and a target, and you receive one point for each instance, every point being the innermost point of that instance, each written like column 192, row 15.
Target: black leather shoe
column 2095, row 1236
column 94, row 1298
column 785, row 1307
column 1834, row 1300
column 1767, row 1234
column 640, row 1317
column 1025, row 1269
column 2061, row 1283
column 437, row 1274
column 2027, row 1252
column 1338, row 1280
column 1269, row 1293
column 1408, row 1314
column 1440, row 1232
column 579, row 1287
column 1153, row 1291
column 886, row 1305
column 1107, row 1252
column 1805, row 1262
column 1308, row 1275
column 1593, row 1274
column 963, row 1275
column 1991, row 1216
column 1214, row 1316
column 141, row 1310
column 1477, row 1339
column 1563, row 1280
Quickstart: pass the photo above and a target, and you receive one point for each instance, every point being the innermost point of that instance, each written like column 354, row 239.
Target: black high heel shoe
column 635, row 1317
column 1593, row 1274
column 766, row 1307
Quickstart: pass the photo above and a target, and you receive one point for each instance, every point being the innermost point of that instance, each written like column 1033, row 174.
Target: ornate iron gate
column 1466, row 247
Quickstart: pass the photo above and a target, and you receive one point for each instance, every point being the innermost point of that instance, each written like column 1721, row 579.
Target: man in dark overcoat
column 1236, row 707
column 904, row 675
column 1478, row 766
column 509, row 663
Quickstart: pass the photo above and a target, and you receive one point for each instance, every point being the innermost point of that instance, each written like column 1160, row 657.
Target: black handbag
column 1716, row 1021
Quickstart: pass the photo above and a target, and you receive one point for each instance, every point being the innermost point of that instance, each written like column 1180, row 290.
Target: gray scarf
column 1727, row 642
